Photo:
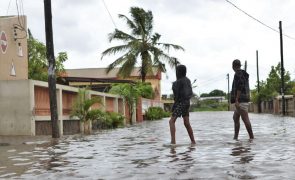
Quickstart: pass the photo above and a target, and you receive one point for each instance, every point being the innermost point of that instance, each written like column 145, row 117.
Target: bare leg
column 172, row 129
column 236, row 118
column 245, row 118
column 189, row 129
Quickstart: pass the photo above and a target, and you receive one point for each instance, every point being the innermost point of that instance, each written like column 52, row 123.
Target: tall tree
column 272, row 86
column 38, row 64
column 141, row 44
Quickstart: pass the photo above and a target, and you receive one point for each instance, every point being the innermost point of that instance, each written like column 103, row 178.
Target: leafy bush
column 154, row 113
column 116, row 119
column 109, row 120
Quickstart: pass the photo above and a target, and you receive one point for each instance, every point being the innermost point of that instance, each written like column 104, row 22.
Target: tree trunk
column 85, row 127
column 51, row 68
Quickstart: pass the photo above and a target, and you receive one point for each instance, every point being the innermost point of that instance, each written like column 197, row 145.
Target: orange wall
column 68, row 99
column 110, row 104
column 42, row 104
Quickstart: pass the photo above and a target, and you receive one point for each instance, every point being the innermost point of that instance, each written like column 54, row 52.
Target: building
column 13, row 48
column 214, row 98
column 99, row 77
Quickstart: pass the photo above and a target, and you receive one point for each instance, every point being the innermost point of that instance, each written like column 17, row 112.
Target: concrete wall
column 9, row 26
column 19, row 108
column 15, row 108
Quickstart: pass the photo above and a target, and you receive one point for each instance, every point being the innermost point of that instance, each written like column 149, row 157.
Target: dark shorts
column 180, row 109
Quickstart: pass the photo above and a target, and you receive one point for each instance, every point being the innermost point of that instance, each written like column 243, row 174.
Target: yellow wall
column 11, row 56
column 156, row 85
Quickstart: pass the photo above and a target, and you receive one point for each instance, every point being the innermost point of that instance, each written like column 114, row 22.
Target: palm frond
column 120, row 35
column 128, row 66
column 115, row 49
column 155, row 38
column 130, row 24
column 149, row 22
column 143, row 21
column 167, row 46
column 159, row 54
column 160, row 66
column 117, row 62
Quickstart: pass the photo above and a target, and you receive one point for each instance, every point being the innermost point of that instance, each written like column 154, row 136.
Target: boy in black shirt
column 182, row 91
column 240, row 95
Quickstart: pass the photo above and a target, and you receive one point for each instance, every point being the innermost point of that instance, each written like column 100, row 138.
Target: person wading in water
column 240, row 96
column 182, row 91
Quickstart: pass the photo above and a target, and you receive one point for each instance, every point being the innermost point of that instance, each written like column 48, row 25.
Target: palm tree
column 82, row 109
column 139, row 44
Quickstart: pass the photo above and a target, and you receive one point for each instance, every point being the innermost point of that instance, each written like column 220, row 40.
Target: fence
column 275, row 106
column 143, row 105
column 25, row 109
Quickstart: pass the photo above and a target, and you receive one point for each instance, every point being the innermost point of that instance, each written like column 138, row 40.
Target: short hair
column 236, row 63
column 180, row 71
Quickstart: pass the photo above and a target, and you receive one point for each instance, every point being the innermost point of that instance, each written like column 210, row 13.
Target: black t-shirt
column 241, row 83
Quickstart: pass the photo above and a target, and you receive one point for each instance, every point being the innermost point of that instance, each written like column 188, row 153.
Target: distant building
column 13, row 48
column 214, row 98
column 98, row 78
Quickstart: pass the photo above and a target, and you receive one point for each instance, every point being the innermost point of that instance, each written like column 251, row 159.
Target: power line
column 105, row 5
column 273, row 29
column 8, row 8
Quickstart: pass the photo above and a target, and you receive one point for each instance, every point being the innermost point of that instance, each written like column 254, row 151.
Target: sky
column 212, row 32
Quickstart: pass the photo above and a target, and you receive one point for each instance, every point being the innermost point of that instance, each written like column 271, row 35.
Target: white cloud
column 212, row 32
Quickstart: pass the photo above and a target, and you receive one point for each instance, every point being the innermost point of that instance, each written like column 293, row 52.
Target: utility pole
column 282, row 70
column 258, row 86
column 228, row 102
column 51, row 68
column 175, row 63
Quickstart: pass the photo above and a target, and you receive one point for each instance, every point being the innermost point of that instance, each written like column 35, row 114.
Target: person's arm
column 237, row 104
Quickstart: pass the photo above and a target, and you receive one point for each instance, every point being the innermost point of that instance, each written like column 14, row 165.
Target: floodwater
column 141, row 152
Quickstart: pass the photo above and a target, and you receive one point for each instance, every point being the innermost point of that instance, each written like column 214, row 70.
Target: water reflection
column 242, row 151
column 243, row 155
column 181, row 158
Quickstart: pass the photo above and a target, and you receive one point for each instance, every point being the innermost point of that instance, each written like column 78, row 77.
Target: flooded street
column 141, row 152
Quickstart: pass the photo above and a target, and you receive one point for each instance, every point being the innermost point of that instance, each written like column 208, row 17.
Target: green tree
column 204, row 95
column 272, row 86
column 217, row 92
column 38, row 64
column 141, row 44
column 131, row 93
column 82, row 109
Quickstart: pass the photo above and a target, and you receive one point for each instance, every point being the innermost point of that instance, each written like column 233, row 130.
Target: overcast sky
column 213, row 33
